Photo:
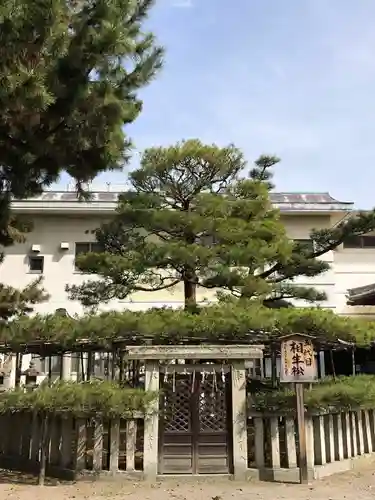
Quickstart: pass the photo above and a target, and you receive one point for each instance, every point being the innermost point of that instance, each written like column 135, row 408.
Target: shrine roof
column 361, row 296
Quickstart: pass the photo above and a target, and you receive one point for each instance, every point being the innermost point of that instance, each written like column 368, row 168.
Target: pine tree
column 305, row 259
column 70, row 71
column 189, row 219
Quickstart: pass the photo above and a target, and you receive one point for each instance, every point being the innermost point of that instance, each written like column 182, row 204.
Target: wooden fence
column 72, row 445
column 80, row 446
column 333, row 441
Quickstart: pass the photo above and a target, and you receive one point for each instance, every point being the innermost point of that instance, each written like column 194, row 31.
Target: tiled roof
column 362, row 295
column 319, row 198
column 61, row 201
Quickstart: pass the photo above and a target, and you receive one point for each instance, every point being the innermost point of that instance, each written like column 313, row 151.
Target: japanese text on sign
column 297, row 360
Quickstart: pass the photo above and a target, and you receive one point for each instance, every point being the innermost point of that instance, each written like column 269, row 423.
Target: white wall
column 299, row 227
column 350, row 268
column 49, row 232
column 354, row 267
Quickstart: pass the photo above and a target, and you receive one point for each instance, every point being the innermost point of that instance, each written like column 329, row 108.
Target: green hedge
column 241, row 322
column 104, row 398
column 344, row 393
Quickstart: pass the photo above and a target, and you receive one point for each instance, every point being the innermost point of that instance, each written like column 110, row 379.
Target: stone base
column 318, row 472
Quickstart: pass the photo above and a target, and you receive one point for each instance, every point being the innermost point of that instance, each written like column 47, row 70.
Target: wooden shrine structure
column 199, row 423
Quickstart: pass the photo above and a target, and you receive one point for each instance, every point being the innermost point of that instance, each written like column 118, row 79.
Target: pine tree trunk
column 190, row 295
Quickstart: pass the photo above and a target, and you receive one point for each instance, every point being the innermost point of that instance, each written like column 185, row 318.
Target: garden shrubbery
column 340, row 394
column 96, row 398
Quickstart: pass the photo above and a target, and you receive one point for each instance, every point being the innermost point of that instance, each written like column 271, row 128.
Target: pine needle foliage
column 70, row 73
column 16, row 303
column 191, row 219
column 341, row 394
column 94, row 398
column 238, row 321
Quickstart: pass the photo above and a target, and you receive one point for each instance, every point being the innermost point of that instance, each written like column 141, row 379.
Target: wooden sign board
column 298, row 364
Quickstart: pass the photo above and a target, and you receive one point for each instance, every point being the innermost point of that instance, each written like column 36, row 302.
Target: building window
column 87, row 247
column 36, row 264
column 360, row 242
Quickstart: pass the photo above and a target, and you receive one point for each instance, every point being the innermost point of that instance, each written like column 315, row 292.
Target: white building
column 63, row 227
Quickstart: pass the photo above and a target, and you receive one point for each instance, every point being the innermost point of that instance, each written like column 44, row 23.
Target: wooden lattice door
column 195, row 423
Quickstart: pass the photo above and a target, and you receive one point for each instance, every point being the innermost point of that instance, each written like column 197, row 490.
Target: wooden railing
column 73, row 445
column 332, row 438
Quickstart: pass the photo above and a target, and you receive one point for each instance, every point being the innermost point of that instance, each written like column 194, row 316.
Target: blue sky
column 295, row 78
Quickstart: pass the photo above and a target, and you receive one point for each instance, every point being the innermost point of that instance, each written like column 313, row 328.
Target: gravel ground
column 358, row 485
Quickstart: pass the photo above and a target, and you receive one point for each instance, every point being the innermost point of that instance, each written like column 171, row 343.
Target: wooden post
column 90, row 363
column 55, row 440
column 121, row 374
column 353, row 361
column 43, row 450
column 50, row 370
column 83, row 378
column 18, row 369
column 35, row 438
column 274, row 367
column 113, row 366
column 66, row 442
column 303, row 472
column 298, row 365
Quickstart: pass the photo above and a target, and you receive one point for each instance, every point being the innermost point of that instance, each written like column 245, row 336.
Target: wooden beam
column 195, row 352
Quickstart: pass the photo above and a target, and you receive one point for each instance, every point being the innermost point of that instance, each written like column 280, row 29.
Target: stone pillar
column 322, row 364
column 151, row 428
column 340, row 438
column 66, row 367
column 354, row 433
column 330, row 438
column 310, row 448
column 239, row 409
column 275, row 443
column 259, row 443
column 10, row 380
column 320, row 441
column 367, row 431
column 347, row 435
column 290, row 441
